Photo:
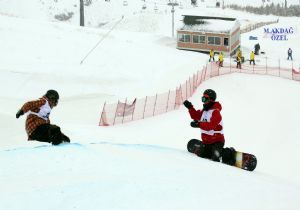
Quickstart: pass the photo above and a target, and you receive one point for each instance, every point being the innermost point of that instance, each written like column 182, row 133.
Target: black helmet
column 52, row 94
column 211, row 94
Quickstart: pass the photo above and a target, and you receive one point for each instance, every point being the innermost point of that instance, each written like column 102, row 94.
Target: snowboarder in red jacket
column 209, row 120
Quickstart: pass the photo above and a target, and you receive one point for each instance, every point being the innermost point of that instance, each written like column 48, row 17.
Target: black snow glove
column 187, row 104
column 195, row 124
column 19, row 113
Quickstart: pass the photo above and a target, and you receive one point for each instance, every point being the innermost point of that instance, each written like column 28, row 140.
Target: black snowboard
column 238, row 159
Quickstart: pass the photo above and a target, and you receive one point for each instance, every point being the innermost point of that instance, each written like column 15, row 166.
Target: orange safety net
column 149, row 106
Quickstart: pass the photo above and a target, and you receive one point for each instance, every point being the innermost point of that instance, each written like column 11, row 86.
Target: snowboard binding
column 228, row 156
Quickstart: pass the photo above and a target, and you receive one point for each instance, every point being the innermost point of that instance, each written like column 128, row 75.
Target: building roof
column 208, row 24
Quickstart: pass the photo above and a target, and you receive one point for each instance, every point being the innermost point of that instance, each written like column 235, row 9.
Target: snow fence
column 149, row 106
column 251, row 26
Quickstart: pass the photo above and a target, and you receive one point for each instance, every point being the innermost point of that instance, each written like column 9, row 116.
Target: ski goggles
column 54, row 100
column 205, row 98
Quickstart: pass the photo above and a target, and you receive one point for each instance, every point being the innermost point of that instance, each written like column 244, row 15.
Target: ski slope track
column 92, row 173
column 141, row 165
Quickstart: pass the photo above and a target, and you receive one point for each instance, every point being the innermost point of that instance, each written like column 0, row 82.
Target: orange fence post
column 145, row 107
column 193, row 83
column 186, row 89
column 205, row 72
column 181, row 93
column 124, row 110
column 190, row 88
column 154, row 104
column 168, row 101
column 101, row 118
column 133, row 112
column 116, row 113
column 175, row 99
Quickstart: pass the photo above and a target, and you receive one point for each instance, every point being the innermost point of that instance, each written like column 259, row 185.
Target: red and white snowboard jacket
column 210, row 123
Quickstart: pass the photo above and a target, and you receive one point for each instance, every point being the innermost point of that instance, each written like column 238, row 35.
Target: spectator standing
column 290, row 54
column 252, row 58
column 221, row 59
column 211, row 55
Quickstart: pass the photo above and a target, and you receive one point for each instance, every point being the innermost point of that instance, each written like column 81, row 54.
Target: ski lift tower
column 81, row 10
column 172, row 3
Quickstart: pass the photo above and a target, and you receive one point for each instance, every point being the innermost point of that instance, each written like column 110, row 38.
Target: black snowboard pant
column 211, row 151
column 220, row 63
column 49, row 133
column 290, row 57
column 211, row 58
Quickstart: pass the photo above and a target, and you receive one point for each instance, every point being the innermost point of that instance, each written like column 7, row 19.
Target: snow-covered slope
column 100, row 13
column 142, row 164
column 104, row 175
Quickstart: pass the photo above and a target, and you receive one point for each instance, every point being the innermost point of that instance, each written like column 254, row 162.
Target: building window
column 213, row 40
column 225, row 41
column 217, row 40
column 184, row 38
column 198, row 39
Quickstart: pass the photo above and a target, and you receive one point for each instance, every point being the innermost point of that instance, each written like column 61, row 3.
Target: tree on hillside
column 285, row 4
column 279, row 9
column 194, row 2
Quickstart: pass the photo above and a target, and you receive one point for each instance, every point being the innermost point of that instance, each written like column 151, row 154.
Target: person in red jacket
column 209, row 120
column 38, row 125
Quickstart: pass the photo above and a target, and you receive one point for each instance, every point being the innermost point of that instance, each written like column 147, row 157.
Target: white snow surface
column 142, row 164
column 225, row 26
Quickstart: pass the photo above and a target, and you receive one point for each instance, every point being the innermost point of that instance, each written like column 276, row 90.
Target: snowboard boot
column 228, row 156
column 65, row 139
column 55, row 135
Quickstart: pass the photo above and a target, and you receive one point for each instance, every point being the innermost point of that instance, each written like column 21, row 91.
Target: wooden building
column 203, row 33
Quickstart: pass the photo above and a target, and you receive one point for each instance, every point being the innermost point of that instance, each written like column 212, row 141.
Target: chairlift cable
column 117, row 23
